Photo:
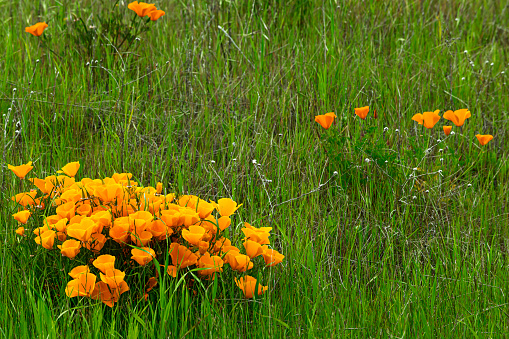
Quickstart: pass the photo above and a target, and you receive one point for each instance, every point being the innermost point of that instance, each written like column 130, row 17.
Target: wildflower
column 248, row 285
column 154, row 15
column 181, row 256
column 211, row 264
column 484, row 139
column 104, row 262
column 362, row 112
column 272, row 257
column 447, row 130
column 112, row 277
column 142, row 8
column 83, row 285
column 70, row 248
column 427, row 119
column 194, row 234
column 22, row 216
column 37, row 29
column 239, row 262
column 226, row 206
column 22, row 170
column 143, row 255
column 70, row 169
column 253, row 249
column 172, row 271
column 458, row 117
column 325, row 120
column 20, row 231
column 46, row 239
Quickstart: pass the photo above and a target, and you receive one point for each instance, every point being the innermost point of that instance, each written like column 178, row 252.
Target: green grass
column 233, row 82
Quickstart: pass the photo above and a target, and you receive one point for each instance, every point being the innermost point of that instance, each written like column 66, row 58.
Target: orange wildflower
column 22, row 170
column 325, row 120
column 427, row 119
column 248, row 285
column 362, row 112
column 447, row 130
column 22, row 216
column 37, row 29
column 70, row 169
column 142, row 8
column 154, row 15
column 143, row 255
column 457, row 117
column 484, row 139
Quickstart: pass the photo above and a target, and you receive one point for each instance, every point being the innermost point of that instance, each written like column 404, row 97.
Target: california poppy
column 362, row 112
column 427, row 119
column 484, row 139
column 36, row 29
column 70, row 169
column 325, row 120
column 447, row 130
column 248, row 285
column 22, row 216
column 154, row 15
column 457, row 117
column 142, row 8
column 226, row 206
column 70, row 248
column 143, row 255
column 22, row 170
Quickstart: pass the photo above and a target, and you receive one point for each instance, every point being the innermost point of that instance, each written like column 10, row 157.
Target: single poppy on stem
column 484, row 139
column 37, row 29
column 447, row 130
column 325, row 120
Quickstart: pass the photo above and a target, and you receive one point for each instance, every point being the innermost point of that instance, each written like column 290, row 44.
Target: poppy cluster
column 458, row 118
column 143, row 9
column 94, row 216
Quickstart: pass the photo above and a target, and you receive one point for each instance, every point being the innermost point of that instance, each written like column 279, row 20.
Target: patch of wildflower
column 106, row 220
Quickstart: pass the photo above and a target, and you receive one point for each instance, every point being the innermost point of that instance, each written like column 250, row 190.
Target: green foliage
column 385, row 264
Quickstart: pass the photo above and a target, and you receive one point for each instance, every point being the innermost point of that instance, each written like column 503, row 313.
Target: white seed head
column 452, row 133
column 212, row 162
column 335, row 173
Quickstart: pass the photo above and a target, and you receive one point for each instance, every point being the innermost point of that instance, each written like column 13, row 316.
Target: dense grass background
column 218, row 99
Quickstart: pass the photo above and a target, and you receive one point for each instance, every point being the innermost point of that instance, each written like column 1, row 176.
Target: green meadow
column 389, row 229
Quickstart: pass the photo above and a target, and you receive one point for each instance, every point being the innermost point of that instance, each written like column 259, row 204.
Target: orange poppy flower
column 272, row 257
column 46, row 239
column 22, row 216
column 447, row 130
column 70, row 248
column 142, row 8
column 37, row 29
column 484, row 139
column 212, row 264
column 22, row 170
column 112, row 277
column 457, row 117
column 239, row 262
column 20, row 231
column 193, row 235
column 70, row 169
column 104, row 262
column 253, row 249
column 154, row 15
column 248, row 285
column 428, row 119
column 172, row 271
column 325, row 120
column 82, row 286
column 143, row 255
column 362, row 112
column 226, row 206
column 181, row 256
